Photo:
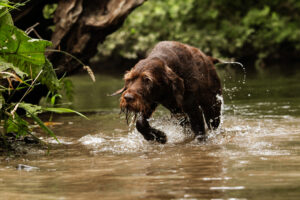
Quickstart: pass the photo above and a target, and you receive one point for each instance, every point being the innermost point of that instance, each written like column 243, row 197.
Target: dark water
column 254, row 155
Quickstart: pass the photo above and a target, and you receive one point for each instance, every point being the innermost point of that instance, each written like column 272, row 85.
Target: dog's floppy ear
column 177, row 85
column 120, row 91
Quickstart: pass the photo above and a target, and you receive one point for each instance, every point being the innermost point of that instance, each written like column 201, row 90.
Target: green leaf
column 5, row 17
column 6, row 4
column 22, row 51
column 15, row 44
column 49, row 77
column 2, row 101
column 49, row 10
column 30, row 108
column 68, row 88
column 26, row 56
column 16, row 125
column 4, row 66
column 43, row 126
column 54, row 97
column 64, row 110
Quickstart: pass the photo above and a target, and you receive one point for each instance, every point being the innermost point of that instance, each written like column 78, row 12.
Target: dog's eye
column 127, row 81
column 146, row 79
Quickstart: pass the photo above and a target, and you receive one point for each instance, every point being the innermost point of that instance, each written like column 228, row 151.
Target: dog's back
column 191, row 64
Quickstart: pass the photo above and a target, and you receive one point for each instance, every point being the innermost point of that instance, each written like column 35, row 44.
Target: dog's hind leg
column 184, row 121
column 195, row 115
column 212, row 113
column 149, row 133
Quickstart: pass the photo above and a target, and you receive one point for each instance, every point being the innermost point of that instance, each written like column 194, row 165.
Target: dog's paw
column 159, row 136
column 162, row 139
column 201, row 138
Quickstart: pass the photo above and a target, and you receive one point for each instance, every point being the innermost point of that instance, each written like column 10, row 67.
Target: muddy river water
column 255, row 154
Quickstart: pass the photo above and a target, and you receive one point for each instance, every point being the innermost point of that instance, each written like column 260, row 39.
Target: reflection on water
column 254, row 155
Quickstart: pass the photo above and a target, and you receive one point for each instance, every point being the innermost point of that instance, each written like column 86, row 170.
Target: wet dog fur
column 181, row 78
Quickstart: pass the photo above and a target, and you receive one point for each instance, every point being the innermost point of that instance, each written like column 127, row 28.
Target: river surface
column 255, row 154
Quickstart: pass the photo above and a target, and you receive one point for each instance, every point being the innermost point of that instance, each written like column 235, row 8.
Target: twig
column 85, row 67
column 31, row 28
column 36, row 33
column 27, row 91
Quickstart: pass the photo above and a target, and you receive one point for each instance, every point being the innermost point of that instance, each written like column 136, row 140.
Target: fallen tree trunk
column 80, row 25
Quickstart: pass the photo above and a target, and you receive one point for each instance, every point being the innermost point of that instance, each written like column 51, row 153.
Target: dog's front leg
column 149, row 133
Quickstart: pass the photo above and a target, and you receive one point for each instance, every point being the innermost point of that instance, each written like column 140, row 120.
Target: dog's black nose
column 128, row 97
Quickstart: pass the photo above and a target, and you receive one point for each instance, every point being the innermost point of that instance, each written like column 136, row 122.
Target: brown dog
column 181, row 78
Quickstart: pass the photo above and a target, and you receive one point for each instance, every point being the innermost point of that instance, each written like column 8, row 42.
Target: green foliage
column 5, row 7
column 15, row 124
column 48, row 13
column 2, row 101
column 49, row 10
column 17, row 49
column 22, row 59
column 43, row 126
column 241, row 29
column 6, row 66
column 64, row 110
column 30, row 108
column 23, row 65
column 16, row 46
column 68, row 88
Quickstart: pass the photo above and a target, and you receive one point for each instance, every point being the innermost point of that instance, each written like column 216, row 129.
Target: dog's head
column 146, row 83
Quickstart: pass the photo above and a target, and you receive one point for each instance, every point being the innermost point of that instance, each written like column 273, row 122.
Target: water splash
column 92, row 140
column 133, row 141
column 117, row 144
column 235, row 130
column 221, row 100
column 62, row 140
column 176, row 133
column 240, row 65
column 234, row 86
